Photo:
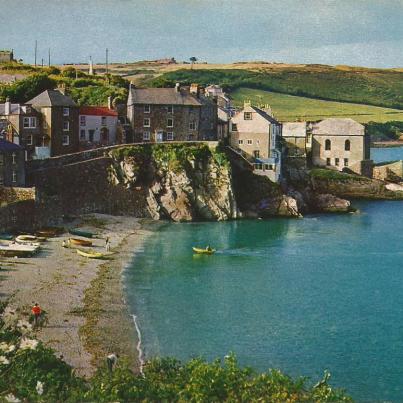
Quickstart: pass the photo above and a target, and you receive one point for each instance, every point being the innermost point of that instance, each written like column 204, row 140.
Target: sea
column 324, row 292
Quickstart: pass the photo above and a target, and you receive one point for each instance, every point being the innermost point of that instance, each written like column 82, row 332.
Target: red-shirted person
column 36, row 310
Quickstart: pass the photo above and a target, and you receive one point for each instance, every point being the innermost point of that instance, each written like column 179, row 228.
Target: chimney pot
column 177, row 87
column 7, row 106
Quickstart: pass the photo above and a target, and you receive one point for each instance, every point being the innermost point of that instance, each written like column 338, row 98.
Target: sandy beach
column 83, row 298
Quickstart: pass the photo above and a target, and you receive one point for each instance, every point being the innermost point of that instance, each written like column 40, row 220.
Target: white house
column 98, row 126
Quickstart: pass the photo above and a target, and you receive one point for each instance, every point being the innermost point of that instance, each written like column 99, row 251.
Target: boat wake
column 138, row 347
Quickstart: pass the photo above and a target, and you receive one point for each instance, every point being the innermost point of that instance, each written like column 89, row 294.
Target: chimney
column 62, row 88
column 7, row 107
column 177, row 87
column 91, row 67
column 195, row 89
column 110, row 106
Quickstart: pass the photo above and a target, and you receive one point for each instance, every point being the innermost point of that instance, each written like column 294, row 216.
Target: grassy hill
column 291, row 108
column 378, row 87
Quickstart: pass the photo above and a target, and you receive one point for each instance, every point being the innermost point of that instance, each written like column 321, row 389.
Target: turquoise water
column 323, row 292
column 302, row 295
column 387, row 154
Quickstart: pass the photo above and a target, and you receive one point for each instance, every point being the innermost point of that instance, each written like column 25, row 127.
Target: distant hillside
column 379, row 87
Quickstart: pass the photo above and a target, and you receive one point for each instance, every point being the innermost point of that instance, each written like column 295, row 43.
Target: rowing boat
column 26, row 238
column 92, row 254
column 50, row 232
column 203, row 251
column 6, row 237
column 80, row 242
column 14, row 249
column 84, row 234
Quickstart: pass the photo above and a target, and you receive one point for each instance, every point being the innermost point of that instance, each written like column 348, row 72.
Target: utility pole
column 49, row 57
column 36, row 50
column 107, row 51
column 42, row 61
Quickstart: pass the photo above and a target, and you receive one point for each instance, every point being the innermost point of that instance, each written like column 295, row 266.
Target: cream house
column 341, row 143
column 254, row 133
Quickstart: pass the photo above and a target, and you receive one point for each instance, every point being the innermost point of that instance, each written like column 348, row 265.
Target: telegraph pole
column 107, row 52
column 49, row 57
column 36, row 50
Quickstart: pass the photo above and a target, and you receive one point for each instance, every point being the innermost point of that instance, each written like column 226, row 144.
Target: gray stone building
column 60, row 121
column 340, row 143
column 171, row 114
column 12, row 164
column 6, row 56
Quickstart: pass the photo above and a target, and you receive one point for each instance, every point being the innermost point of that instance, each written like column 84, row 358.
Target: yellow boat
column 204, row 251
column 92, row 254
column 80, row 242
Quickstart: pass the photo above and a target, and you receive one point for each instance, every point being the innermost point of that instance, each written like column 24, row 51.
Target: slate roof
column 261, row 112
column 161, row 96
column 9, row 146
column 338, row 126
column 51, row 98
column 97, row 111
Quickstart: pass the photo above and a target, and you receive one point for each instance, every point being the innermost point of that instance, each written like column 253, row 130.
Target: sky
column 355, row 32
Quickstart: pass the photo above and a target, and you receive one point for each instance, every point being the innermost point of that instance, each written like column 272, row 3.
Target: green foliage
column 71, row 72
column 320, row 173
column 28, row 88
column 98, row 94
column 364, row 86
column 17, row 67
column 385, row 131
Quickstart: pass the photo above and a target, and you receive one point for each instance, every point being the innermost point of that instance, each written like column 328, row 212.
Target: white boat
column 13, row 249
column 27, row 240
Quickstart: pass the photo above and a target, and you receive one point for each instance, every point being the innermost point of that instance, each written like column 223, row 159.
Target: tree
column 192, row 60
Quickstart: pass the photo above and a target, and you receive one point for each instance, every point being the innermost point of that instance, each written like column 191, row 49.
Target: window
column 1, row 159
column 257, row 142
column 147, row 108
column 249, row 142
column 29, row 122
column 146, row 122
column 170, row 123
column 336, row 162
column 170, row 136
column 82, row 134
column 256, row 154
column 247, row 116
column 327, row 161
column 82, row 120
column 190, row 137
column 192, row 125
column 91, row 135
column 14, row 176
column 66, row 111
column 234, row 127
column 240, row 141
column 66, row 125
column 346, row 162
column 328, row 145
column 14, row 158
column 170, row 109
column 103, row 120
column 347, row 145
column 1, row 178
column 65, row 140
column 146, row 136
column 30, row 140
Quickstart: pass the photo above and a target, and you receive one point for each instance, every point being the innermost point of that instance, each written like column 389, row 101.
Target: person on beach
column 107, row 244
column 36, row 311
column 111, row 361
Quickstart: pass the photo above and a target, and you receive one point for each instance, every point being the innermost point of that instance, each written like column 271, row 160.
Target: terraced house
column 59, row 116
column 12, row 164
column 171, row 114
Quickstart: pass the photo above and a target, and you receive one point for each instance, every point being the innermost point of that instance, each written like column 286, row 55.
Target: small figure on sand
column 111, row 361
column 107, row 244
column 36, row 311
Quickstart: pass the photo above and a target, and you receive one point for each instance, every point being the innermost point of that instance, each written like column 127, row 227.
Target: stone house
column 297, row 138
column 340, row 143
column 255, row 134
column 60, row 122
column 171, row 114
column 98, row 126
column 6, row 56
column 12, row 164
column 21, row 124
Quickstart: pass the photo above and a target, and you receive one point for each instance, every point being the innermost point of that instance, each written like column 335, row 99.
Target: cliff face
column 181, row 183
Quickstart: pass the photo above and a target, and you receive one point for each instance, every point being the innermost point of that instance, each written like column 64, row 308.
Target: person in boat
column 208, row 248
column 36, row 311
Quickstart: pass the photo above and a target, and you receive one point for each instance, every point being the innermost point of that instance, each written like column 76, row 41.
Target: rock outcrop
column 328, row 203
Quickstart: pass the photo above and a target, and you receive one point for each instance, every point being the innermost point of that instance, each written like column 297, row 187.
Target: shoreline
column 387, row 144
column 83, row 298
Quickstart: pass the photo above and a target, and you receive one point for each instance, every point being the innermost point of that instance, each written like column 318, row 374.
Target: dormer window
column 247, row 116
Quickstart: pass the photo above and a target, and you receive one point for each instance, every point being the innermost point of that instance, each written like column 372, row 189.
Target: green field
column 291, row 108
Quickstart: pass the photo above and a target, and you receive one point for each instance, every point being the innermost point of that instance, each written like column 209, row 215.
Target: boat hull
column 84, row 234
column 80, row 242
column 91, row 254
column 200, row 251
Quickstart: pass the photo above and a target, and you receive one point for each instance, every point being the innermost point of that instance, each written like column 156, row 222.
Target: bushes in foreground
column 29, row 371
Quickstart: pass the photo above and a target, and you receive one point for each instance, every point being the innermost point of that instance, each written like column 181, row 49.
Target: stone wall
column 390, row 172
column 18, row 216
column 10, row 195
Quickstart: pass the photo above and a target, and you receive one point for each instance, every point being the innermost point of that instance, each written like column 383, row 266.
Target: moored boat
column 50, row 232
column 6, row 237
column 80, row 242
column 205, row 251
column 84, row 234
column 29, row 240
column 92, row 254
column 13, row 249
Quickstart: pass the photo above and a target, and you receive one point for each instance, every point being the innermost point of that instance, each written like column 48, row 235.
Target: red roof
column 97, row 111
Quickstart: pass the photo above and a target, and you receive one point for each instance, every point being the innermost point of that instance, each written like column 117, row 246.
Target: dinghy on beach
column 13, row 249
column 93, row 254
column 79, row 242
column 84, row 234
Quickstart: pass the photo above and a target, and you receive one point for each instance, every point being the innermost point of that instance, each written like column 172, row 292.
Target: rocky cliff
column 181, row 182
